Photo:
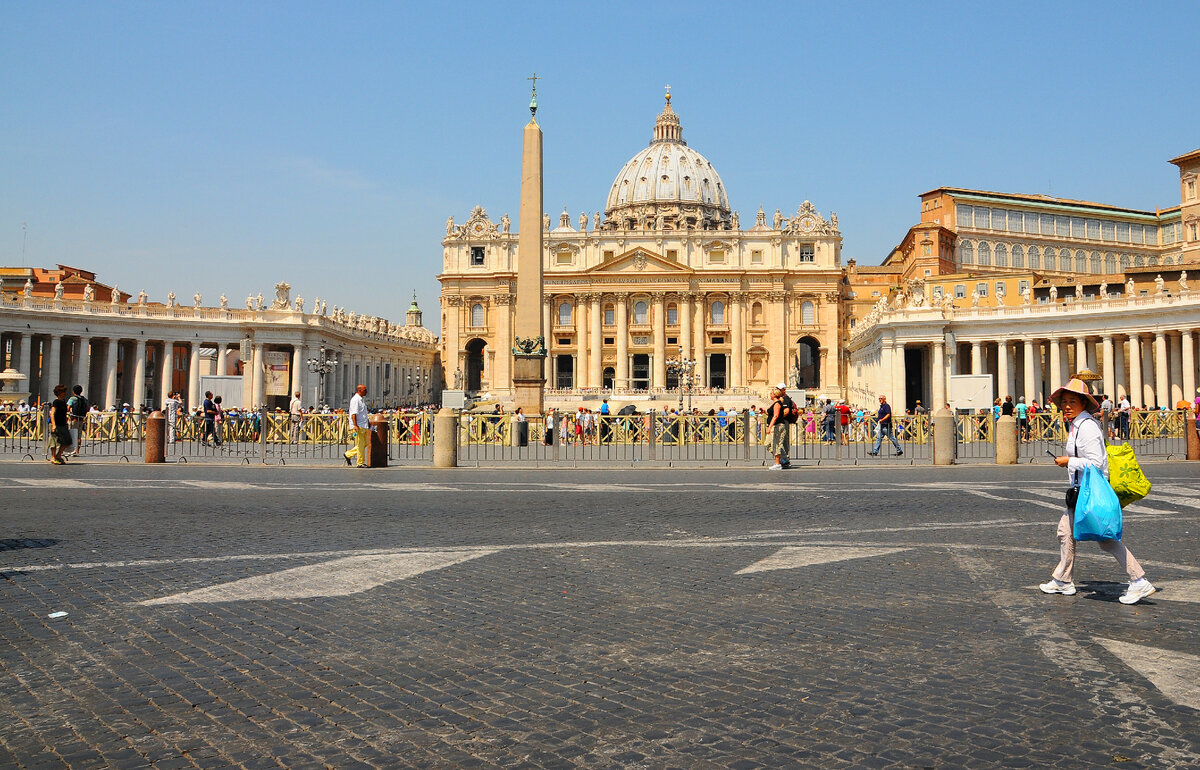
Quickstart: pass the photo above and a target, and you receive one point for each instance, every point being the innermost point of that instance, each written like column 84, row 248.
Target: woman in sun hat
column 1085, row 446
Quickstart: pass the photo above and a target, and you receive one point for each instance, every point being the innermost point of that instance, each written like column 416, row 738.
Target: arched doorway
column 806, row 365
column 610, row 374
column 474, row 378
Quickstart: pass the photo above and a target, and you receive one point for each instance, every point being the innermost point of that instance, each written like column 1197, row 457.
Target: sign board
column 275, row 372
column 971, row 391
column 228, row 387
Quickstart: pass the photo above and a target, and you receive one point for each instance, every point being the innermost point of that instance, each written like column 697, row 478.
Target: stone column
column 898, row 396
column 21, row 358
column 738, row 342
column 297, row 370
column 596, row 360
column 256, row 377
column 1056, row 365
column 976, row 358
column 1121, row 387
column 1161, row 371
column 168, row 367
column 83, row 366
column 1174, row 345
column 938, row 364
column 548, row 319
column 1004, row 367
column 52, row 367
column 659, row 379
column 685, row 324
column 1136, row 390
column 222, row 362
column 139, row 374
column 1030, row 388
column 785, row 345
column 110, row 374
column 195, row 396
column 502, row 374
column 1148, row 373
column 583, row 349
column 883, row 384
column 1038, row 377
column 622, row 380
column 700, row 337
column 1187, row 357
column 1080, row 354
column 1110, row 379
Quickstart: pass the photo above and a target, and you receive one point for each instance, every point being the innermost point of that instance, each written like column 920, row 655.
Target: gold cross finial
column 668, row 93
column 533, row 100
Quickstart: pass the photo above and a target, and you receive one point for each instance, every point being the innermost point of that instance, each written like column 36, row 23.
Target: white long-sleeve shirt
column 1085, row 446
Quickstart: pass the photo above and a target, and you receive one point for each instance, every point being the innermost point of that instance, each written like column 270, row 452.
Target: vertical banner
column 275, row 372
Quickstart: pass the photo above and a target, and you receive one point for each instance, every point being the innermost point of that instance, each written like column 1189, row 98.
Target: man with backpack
column 779, row 419
column 77, row 409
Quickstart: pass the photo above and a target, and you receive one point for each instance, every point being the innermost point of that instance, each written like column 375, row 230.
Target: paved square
column 284, row 617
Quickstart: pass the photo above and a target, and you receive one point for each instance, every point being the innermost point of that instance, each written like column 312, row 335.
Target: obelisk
column 529, row 342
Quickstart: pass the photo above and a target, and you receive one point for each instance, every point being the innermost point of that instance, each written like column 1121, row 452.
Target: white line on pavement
column 1175, row 674
column 807, row 556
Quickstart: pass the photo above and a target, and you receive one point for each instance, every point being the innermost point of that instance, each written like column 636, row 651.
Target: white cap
column 782, row 386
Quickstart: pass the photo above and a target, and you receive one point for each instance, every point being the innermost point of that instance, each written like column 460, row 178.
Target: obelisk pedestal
column 529, row 342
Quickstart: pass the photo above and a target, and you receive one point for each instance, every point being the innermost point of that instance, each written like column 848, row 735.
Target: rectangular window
column 610, row 340
column 1191, row 189
column 672, row 340
column 756, row 257
column 982, row 289
column 1122, row 232
column 564, row 340
column 1001, row 291
column 807, row 253
column 926, row 250
column 999, row 219
column 1078, row 227
column 1047, row 224
column 1016, row 222
column 1022, row 287
column 983, row 218
column 718, row 340
column 564, row 257
column 673, row 255
column 1062, row 227
column 960, row 290
column 716, row 256
column 1136, row 234
column 928, row 273
column 608, row 255
column 610, row 316
column 641, row 340
column 476, row 256
column 963, row 215
column 1108, row 231
column 1093, row 229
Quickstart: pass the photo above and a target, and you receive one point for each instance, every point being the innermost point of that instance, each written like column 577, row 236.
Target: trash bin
column 522, row 430
column 377, row 444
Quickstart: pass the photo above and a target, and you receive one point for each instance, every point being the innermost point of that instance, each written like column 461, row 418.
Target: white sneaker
column 1056, row 586
column 775, row 467
column 1138, row 590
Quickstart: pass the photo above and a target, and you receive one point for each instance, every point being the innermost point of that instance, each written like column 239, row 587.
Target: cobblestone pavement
column 285, row 617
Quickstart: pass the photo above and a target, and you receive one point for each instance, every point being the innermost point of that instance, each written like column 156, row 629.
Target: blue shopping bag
column 1097, row 510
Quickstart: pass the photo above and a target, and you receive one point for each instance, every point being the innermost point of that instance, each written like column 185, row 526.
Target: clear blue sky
column 222, row 147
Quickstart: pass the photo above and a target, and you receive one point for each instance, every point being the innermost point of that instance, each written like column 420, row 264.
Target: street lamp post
column 321, row 366
column 683, row 369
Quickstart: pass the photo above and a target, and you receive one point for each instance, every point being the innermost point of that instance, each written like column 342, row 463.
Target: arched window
column 1124, row 262
column 1001, row 255
column 985, row 253
column 564, row 314
column 1080, row 262
column 1110, row 263
column 1035, row 258
column 610, row 315
column 1051, row 261
column 966, row 253
column 808, row 312
column 718, row 313
column 756, row 314
column 1153, row 261
column 477, row 314
column 1139, row 261
column 1018, row 256
column 1095, row 259
column 672, row 314
column 640, row 310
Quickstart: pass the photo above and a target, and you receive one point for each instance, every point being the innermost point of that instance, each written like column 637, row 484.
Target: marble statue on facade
column 58, row 290
column 249, row 301
column 1130, row 289
column 1078, row 291
column 224, row 302
column 833, row 220
column 116, row 295
column 505, row 223
column 449, row 225
column 545, row 222
column 28, row 290
column 283, row 296
column 322, row 308
column 947, row 301
column 778, row 220
column 1159, row 285
column 89, row 293
column 974, row 297
column 458, row 379
column 1183, row 283
column 261, row 303
column 299, row 304
column 196, row 300
column 1053, row 293
column 143, row 297
column 170, row 299
column 596, row 221
column 1027, row 296
column 736, row 221
column 1103, row 289
column 582, row 221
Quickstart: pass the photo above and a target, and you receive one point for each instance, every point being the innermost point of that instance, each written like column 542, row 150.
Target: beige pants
column 1066, row 550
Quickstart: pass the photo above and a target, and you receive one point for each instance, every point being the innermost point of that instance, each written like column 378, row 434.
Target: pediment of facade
column 640, row 260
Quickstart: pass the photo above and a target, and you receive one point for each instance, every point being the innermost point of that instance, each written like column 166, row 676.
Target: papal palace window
column 639, row 313
column 960, row 290
column 808, row 313
column 672, row 315
column 806, row 252
column 718, row 313
column 476, row 256
column 477, row 314
column 564, row 314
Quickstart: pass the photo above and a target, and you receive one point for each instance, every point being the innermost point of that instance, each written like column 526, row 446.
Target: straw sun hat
column 1075, row 385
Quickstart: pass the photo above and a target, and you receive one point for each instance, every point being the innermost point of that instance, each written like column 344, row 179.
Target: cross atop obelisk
column 529, row 342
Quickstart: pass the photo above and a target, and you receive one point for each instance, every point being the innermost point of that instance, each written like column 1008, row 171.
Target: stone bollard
column 1193, row 438
column 945, row 438
column 156, row 438
column 377, row 441
column 1006, row 440
column 445, row 438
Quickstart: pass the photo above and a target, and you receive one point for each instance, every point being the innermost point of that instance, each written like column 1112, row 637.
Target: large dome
column 667, row 186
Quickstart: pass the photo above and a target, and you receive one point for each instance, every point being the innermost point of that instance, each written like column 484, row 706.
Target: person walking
column 210, row 420
column 295, row 414
column 777, row 423
column 1085, row 447
column 358, row 423
column 60, row 431
column 172, row 406
column 1022, row 420
column 883, row 428
column 77, row 409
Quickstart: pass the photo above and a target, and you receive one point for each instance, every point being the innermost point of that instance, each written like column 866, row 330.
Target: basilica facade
column 666, row 274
